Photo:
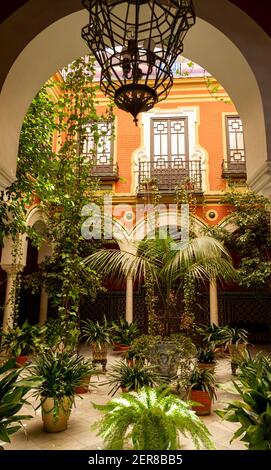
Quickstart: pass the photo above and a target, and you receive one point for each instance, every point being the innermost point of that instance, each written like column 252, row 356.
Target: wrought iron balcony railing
column 106, row 171
column 233, row 169
column 169, row 174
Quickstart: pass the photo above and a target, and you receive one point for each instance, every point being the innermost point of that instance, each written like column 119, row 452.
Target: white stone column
column 213, row 302
column 8, row 318
column 129, row 300
column 43, row 305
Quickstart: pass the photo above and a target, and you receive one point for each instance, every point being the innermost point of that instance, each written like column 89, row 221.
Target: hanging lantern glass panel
column 136, row 43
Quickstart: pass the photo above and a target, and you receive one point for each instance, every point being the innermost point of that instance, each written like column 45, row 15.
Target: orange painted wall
column 184, row 93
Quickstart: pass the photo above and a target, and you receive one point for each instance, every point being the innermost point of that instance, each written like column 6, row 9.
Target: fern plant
column 152, row 420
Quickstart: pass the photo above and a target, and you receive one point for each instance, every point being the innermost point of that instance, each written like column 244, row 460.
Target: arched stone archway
column 224, row 40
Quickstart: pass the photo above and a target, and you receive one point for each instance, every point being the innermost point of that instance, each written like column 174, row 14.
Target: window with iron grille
column 101, row 152
column 169, row 142
column 236, row 154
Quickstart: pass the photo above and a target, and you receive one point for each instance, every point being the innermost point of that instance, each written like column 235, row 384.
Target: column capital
column 11, row 268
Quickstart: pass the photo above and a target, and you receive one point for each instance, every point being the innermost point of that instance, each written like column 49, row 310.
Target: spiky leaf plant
column 152, row 420
column 253, row 409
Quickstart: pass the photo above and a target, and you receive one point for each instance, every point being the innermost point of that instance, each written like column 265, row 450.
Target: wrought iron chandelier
column 136, row 43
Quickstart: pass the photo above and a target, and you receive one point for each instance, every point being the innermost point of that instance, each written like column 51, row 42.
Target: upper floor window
column 101, row 152
column 169, row 141
column 236, row 154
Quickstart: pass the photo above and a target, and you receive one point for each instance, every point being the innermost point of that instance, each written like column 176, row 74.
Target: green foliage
column 251, row 241
column 167, row 269
column 203, row 379
column 170, row 355
column 253, row 409
column 123, row 333
column 131, row 377
column 96, row 332
column 13, row 392
column 24, row 340
column 62, row 182
column 232, row 335
column 152, row 420
column 60, row 374
column 211, row 335
column 206, row 355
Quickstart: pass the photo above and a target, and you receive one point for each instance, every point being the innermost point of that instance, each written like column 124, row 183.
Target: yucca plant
column 234, row 335
column 60, row 374
column 150, row 420
column 13, row 392
column 122, row 333
column 131, row 378
column 253, row 409
column 97, row 333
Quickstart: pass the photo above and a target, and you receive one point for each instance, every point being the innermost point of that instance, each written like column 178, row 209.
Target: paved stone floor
column 79, row 435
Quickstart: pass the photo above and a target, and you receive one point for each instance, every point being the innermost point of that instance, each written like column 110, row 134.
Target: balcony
column 234, row 170
column 169, row 174
column 106, row 171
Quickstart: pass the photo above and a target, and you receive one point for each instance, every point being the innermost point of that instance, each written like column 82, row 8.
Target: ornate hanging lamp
column 136, row 43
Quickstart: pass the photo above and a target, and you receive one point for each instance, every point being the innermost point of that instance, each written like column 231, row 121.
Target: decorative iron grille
column 236, row 154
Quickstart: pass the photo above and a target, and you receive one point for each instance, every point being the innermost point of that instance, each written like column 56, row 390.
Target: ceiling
column 261, row 15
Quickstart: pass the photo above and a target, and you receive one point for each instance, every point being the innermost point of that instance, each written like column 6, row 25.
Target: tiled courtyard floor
column 79, row 435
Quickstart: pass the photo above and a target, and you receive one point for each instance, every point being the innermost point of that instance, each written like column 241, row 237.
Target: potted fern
column 60, row 374
column 150, row 420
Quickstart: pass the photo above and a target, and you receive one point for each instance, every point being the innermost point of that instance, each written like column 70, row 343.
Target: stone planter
column 165, row 356
column 238, row 354
column 99, row 355
column 56, row 422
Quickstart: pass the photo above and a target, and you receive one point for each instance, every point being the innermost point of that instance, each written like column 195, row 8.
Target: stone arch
column 221, row 31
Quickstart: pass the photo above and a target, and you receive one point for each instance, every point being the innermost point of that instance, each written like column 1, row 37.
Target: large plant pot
column 84, row 386
column 166, row 357
column 204, row 399
column 209, row 366
column 99, row 355
column 21, row 361
column 59, row 422
column 238, row 354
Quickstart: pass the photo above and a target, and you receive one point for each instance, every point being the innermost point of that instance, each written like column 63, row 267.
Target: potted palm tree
column 131, row 378
column 60, row 374
column 162, row 265
column 159, row 262
column 97, row 334
column 150, row 420
column 202, row 391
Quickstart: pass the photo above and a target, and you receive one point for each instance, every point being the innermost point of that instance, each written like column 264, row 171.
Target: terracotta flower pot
column 84, row 386
column 56, row 422
column 204, row 399
column 208, row 366
column 21, row 360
